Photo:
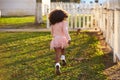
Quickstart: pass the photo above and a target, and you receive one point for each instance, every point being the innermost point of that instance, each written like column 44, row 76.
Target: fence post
column 115, row 55
column 76, row 21
column 48, row 23
column 79, row 19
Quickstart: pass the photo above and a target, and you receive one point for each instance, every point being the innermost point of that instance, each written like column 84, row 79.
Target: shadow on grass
column 37, row 61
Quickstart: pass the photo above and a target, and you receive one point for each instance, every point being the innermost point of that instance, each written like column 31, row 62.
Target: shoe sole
column 64, row 63
column 58, row 70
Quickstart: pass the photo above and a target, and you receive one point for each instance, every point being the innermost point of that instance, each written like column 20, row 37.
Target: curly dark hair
column 57, row 15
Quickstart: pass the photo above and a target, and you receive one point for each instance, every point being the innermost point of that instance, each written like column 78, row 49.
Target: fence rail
column 80, row 15
column 91, row 16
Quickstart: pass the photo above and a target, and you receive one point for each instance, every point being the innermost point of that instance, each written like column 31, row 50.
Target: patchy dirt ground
column 112, row 70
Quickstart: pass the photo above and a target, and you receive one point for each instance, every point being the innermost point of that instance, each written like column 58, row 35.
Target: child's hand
column 69, row 41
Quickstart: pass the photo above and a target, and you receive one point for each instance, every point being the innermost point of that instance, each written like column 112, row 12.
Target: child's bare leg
column 63, row 51
column 57, row 54
column 57, row 60
column 63, row 57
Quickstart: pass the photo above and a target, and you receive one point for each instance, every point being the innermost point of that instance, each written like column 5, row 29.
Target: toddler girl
column 61, row 38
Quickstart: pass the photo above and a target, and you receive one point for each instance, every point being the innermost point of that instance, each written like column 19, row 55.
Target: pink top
column 60, row 30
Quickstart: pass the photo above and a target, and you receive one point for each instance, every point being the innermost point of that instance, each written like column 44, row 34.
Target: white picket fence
column 110, row 26
column 106, row 17
column 80, row 15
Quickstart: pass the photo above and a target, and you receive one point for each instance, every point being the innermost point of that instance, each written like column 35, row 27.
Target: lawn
column 26, row 56
column 20, row 22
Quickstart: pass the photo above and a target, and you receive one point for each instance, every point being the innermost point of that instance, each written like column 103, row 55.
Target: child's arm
column 65, row 31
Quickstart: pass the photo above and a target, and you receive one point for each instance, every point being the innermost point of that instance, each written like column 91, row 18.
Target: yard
column 26, row 56
column 20, row 22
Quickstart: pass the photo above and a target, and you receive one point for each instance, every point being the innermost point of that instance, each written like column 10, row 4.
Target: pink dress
column 60, row 35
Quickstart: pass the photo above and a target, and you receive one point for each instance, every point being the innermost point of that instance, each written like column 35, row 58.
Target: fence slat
column 80, row 15
column 94, row 15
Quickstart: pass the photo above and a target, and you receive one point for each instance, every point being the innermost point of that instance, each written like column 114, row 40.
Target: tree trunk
column 38, row 15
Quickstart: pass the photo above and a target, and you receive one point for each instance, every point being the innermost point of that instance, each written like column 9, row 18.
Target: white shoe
column 63, row 60
column 62, row 57
column 57, row 69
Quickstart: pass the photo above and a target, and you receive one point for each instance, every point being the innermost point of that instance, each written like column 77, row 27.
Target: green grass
column 26, row 56
column 20, row 22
